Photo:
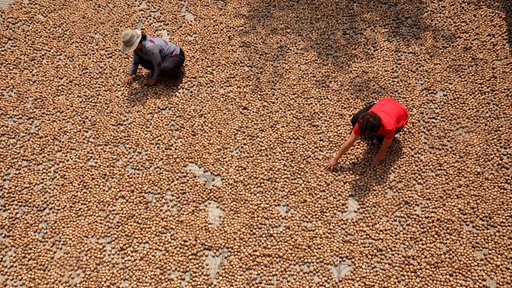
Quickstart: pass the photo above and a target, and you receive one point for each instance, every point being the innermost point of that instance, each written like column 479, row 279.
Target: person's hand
column 331, row 164
column 128, row 80
column 374, row 164
column 150, row 82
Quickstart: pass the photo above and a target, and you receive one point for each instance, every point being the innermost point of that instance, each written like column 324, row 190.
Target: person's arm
column 344, row 148
column 133, row 69
column 382, row 151
column 135, row 64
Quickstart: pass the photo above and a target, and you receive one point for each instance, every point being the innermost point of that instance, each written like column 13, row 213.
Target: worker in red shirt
column 379, row 122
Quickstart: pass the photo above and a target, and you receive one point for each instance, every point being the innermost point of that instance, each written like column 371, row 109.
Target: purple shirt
column 155, row 50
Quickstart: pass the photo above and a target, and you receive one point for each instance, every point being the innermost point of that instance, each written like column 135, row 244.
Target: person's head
column 369, row 123
column 131, row 40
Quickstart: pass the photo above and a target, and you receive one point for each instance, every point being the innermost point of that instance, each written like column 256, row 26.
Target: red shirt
column 392, row 116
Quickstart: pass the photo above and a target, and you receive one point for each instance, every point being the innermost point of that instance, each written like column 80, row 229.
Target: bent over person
column 378, row 122
column 163, row 58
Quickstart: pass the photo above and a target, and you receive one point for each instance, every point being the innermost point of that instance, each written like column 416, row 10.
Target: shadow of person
column 140, row 92
column 368, row 178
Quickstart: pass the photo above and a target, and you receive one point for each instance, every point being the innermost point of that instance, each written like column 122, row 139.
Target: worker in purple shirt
column 163, row 58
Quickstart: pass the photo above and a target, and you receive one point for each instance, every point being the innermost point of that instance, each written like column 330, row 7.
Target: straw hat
column 130, row 39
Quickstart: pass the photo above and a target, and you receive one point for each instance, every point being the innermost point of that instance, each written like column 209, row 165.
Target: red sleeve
column 389, row 134
column 356, row 130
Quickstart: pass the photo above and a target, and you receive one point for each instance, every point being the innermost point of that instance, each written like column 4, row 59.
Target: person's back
column 162, row 46
column 393, row 116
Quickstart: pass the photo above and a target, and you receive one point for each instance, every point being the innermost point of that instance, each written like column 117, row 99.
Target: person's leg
column 171, row 66
column 356, row 116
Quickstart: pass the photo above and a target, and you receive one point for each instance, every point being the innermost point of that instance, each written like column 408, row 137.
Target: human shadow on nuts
column 367, row 178
column 140, row 92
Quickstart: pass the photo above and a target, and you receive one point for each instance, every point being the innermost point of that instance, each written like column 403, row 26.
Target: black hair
column 369, row 123
column 143, row 37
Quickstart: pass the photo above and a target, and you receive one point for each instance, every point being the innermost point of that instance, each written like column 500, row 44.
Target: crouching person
column 163, row 58
column 379, row 123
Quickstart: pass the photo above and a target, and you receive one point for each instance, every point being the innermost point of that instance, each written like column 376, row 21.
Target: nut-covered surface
column 95, row 189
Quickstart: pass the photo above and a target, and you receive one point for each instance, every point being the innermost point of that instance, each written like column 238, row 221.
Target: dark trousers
column 170, row 67
column 355, row 118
